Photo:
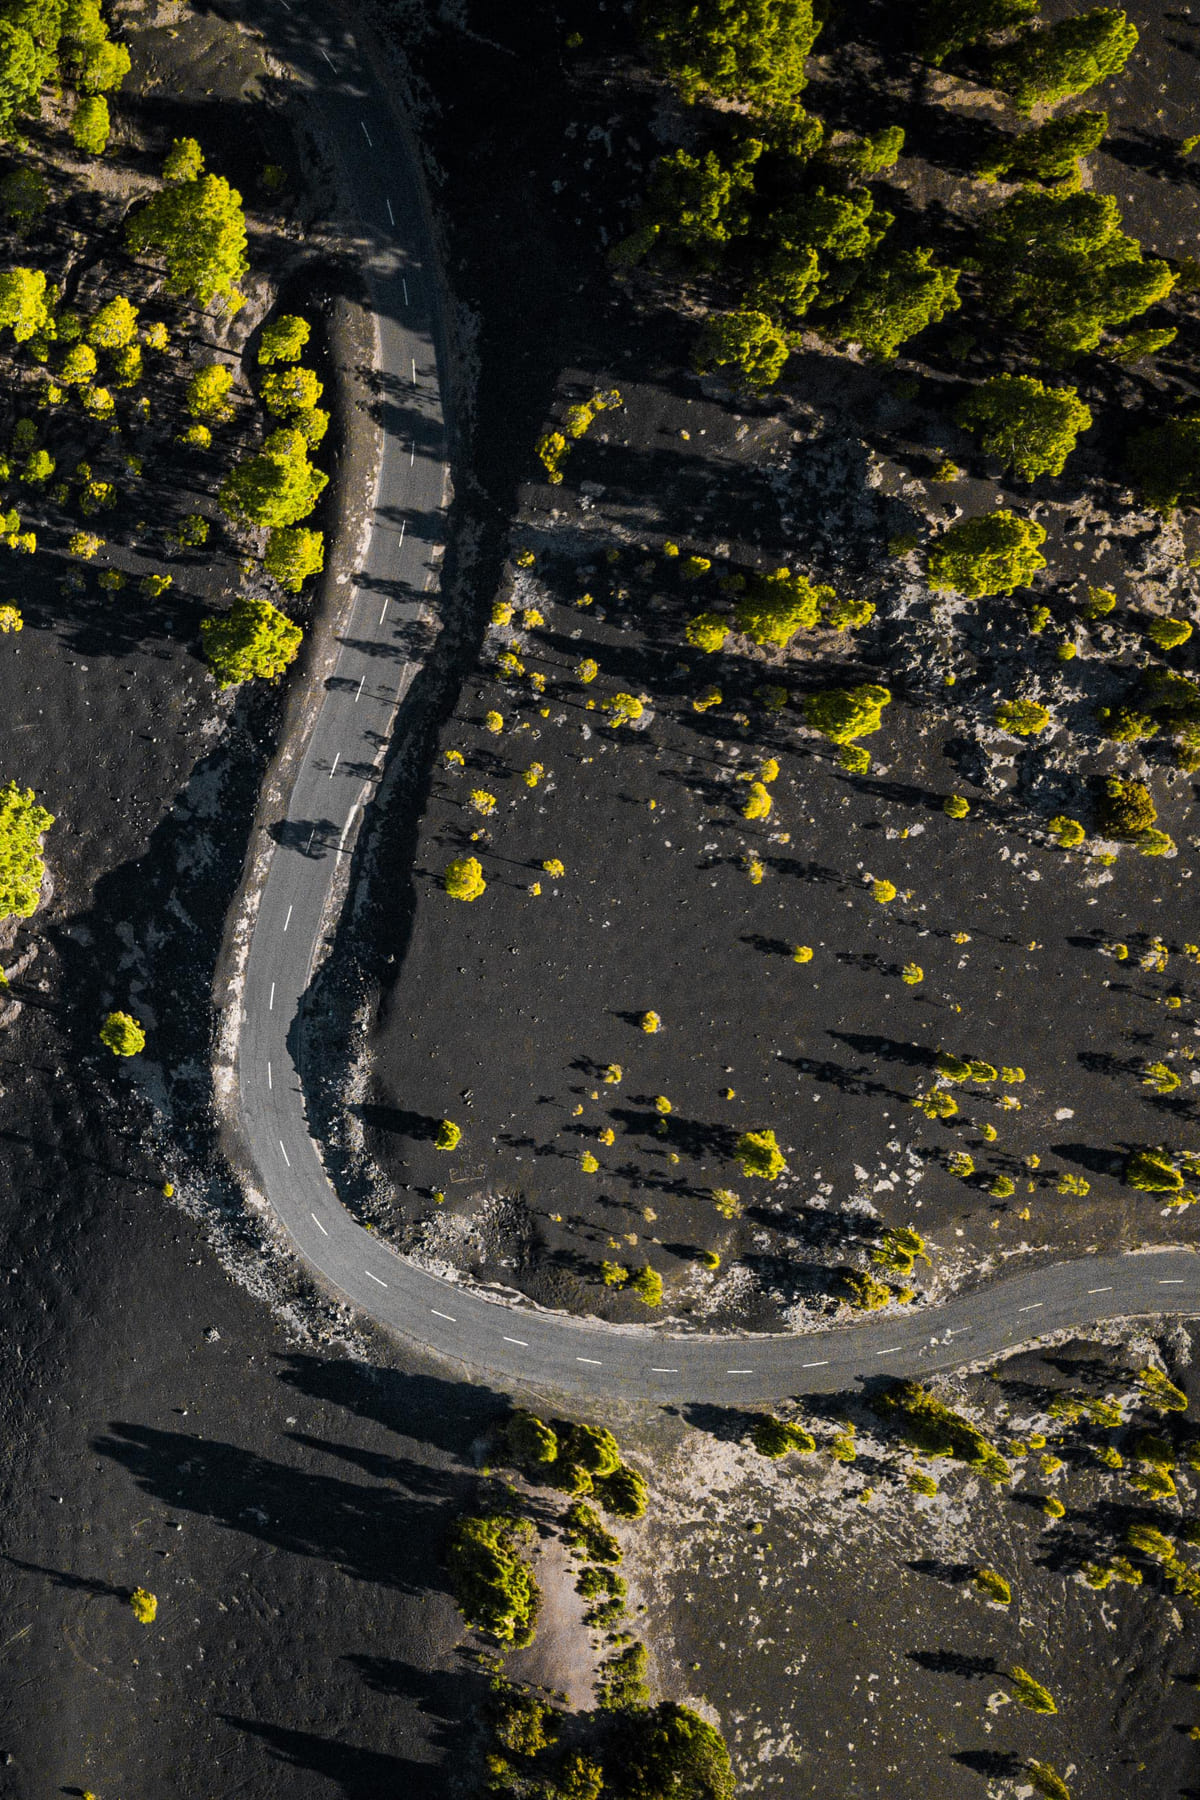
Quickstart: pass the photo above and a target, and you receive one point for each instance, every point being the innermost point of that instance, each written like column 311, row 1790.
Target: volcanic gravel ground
column 162, row 1428
column 503, row 1015
column 839, row 1638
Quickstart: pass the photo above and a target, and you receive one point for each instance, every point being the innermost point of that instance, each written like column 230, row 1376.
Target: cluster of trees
column 45, row 41
column 935, row 1429
column 23, row 824
column 1040, row 64
column 578, row 1460
column 1061, row 268
column 776, row 210
column 797, row 239
column 771, row 606
column 553, row 447
column 752, row 53
column 197, row 225
column 273, row 490
column 626, row 1750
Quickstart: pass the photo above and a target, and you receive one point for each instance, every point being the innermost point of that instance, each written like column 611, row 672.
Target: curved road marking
column 300, row 884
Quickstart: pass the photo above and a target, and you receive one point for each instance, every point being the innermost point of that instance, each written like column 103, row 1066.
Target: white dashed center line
column 366, row 134
column 271, row 1001
column 270, row 1083
column 894, row 1351
column 1174, row 1281
column 441, row 1315
column 288, row 920
column 664, row 1371
column 816, row 1365
column 1032, row 1307
column 520, row 1341
column 391, row 214
column 739, row 1371
column 594, row 1360
column 319, row 1225
column 375, row 1278
column 1106, row 1290
column 284, row 1153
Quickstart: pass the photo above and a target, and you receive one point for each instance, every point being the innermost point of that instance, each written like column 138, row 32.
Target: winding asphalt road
column 511, row 1344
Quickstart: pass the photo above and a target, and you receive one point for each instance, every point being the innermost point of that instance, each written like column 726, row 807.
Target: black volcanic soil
column 828, row 1614
column 287, row 1509
column 161, row 1427
column 502, row 1014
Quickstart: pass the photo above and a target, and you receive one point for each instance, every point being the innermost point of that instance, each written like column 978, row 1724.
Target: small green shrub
column 992, row 1586
column 1152, row 1172
column 1125, row 808
column 122, row 1034
column 707, row 631
column 463, row 878
column 22, row 825
column 929, row 1425
column 1022, row 718
column 777, row 1438
column 864, row 1291
column 843, row 714
column 773, row 608
column 759, row 1155
column 1030, row 1693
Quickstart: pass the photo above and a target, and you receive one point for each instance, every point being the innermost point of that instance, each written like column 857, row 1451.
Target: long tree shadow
column 447, row 1415
column 360, row 1774
column 954, row 1662
column 916, row 1056
column 999, row 1764
column 384, row 1534
column 63, row 1578
column 443, row 1696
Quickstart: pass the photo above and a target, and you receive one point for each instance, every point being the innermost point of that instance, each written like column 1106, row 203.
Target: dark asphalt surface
column 343, row 760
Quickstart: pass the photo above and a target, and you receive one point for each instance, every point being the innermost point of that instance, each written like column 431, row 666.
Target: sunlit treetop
column 748, row 50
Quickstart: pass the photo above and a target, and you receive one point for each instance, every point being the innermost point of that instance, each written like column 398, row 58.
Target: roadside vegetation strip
column 626, row 1745
column 94, row 384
